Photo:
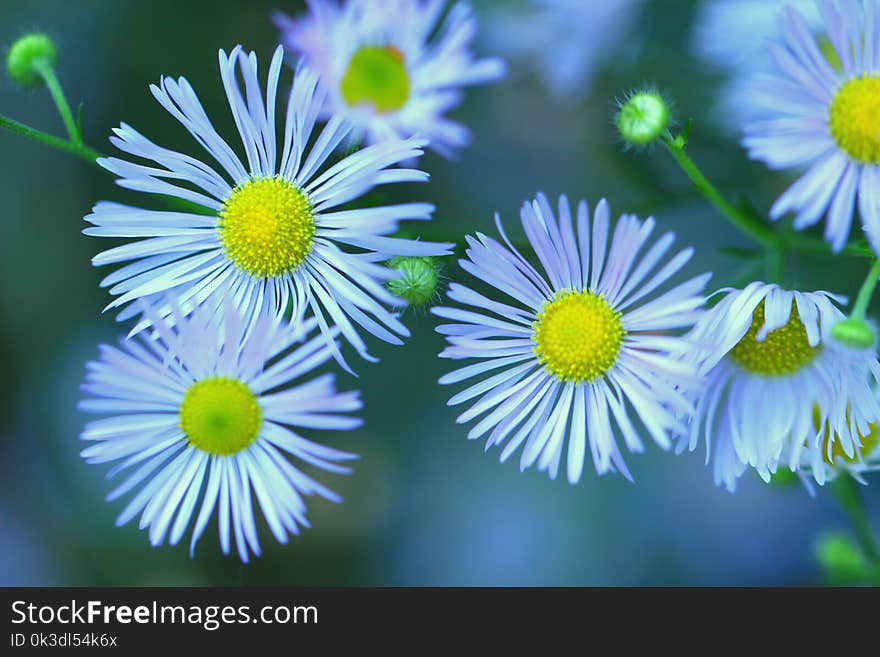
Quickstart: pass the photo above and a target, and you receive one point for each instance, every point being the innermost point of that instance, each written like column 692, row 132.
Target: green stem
column 748, row 222
column 88, row 154
column 750, row 225
column 806, row 244
column 775, row 260
column 866, row 291
column 44, row 68
column 80, row 150
column 847, row 492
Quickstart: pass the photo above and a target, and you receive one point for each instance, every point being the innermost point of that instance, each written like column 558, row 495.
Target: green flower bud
column 642, row 117
column 854, row 332
column 25, row 54
column 419, row 279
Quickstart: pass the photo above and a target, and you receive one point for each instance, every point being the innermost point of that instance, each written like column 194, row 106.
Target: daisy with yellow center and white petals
column 394, row 68
column 824, row 114
column 776, row 387
column 208, row 416
column 269, row 232
column 586, row 348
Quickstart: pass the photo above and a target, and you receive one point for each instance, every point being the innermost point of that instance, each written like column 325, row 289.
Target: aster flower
column 730, row 36
column 825, row 118
column 584, row 348
column 564, row 42
column 394, row 68
column 273, row 234
column 776, row 385
column 202, row 417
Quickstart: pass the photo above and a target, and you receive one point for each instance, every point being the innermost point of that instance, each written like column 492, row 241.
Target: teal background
column 425, row 506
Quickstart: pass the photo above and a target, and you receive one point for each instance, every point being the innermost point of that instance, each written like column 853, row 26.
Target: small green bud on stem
column 25, row 56
column 419, row 279
column 642, row 117
column 854, row 332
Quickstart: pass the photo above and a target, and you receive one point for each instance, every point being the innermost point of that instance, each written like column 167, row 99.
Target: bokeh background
column 425, row 506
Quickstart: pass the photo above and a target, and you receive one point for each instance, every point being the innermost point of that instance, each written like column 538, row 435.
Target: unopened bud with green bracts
column 419, row 280
column 642, row 117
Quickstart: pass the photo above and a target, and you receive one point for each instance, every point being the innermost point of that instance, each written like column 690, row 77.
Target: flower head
column 269, row 230
column 775, row 384
column 202, row 417
column 825, row 117
column 584, row 348
column 394, row 68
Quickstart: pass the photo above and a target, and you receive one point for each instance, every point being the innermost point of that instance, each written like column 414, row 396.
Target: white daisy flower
column 825, row 118
column 565, row 42
column 273, row 234
column 394, row 68
column 769, row 364
column 202, row 417
column 585, row 348
column 730, row 36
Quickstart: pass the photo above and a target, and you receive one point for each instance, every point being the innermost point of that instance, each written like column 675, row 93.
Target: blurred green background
column 425, row 506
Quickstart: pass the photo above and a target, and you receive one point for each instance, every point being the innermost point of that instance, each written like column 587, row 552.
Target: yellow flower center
column 377, row 76
column 578, row 336
column 267, row 227
column 220, row 416
column 855, row 118
column 868, row 442
column 783, row 352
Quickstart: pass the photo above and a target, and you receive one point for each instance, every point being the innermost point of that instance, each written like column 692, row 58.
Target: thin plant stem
column 866, row 291
column 89, row 154
column 80, row 150
column 44, row 68
column 775, row 263
column 749, row 223
column 849, row 496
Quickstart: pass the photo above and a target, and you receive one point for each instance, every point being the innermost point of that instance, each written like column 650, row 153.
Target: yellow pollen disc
column 267, row 227
column 377, row 76
column 855, row 118
column 869, row 442
column 784, row 351
column 220, row 416
column 578, row 336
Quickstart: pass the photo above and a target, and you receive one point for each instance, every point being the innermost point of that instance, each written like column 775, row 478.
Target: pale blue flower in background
column 564, row 42
column 730, row 36
column 394, row 68
column 775, row 385
column 824, row 117
column 581, row 352
column 203, row 417
column 272, row 234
